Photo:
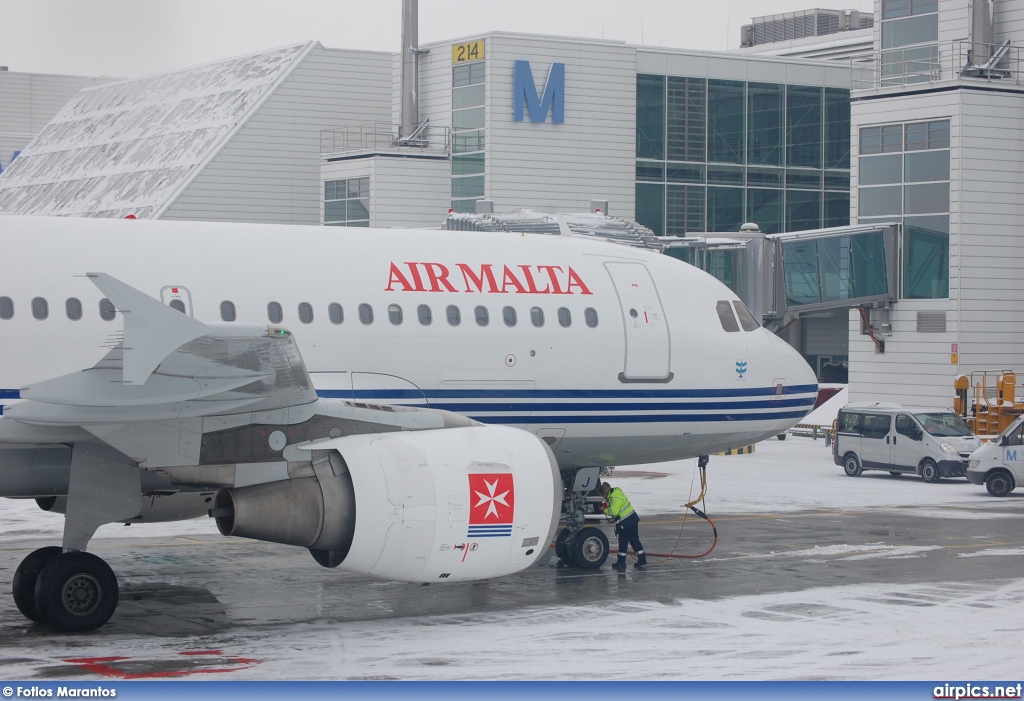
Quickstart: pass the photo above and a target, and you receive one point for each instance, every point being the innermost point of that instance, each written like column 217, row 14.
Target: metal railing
column 418, row 138
column 954, row 60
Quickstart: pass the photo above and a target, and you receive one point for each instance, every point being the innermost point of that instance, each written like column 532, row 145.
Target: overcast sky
column 137, row 37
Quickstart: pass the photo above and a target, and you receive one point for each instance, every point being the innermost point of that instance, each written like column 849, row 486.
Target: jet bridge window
column 306, row 312
column 725, row 316
column 395, row 314
column 537, row 316
column 107, row 310
column 508, row 314
column 454, row 315
column 40, row 309
column 590, row 316
column 274, row 313
column 564, row 317
column 335, row 313
column 424, row 314
column 227, row 311
column 365, row 314
column 6, row 308
column 483, row 317
column 73, row 307
column 747, row 320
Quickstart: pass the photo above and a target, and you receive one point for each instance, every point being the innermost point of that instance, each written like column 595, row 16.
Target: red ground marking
column 102, row 666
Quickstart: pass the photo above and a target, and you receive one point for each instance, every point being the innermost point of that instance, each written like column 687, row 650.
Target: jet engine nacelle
column 158, row 508
column 422, row 506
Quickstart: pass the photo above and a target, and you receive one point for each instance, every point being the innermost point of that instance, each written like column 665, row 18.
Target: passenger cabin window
column 424, row 314
column 725, row 316
column 227, row 311
column 483, row 317
column 107, row 310
column 590, row 316
column 395, row 314
column 747, row 320
column 73, row 308
column 454, row 315
column 335, row 313
column 537, row 316
column 365, row 314
column 177, row 304
column 40, row 309
column 849, row 423
column 275, row 313
column 6, row 307
column 564, row 317
column 306, row 313
column 508, row 315
column 1016, row 436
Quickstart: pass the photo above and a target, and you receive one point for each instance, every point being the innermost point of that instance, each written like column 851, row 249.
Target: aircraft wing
column 171, row 367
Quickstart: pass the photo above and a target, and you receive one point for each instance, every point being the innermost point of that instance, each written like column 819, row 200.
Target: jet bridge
column 782, row 277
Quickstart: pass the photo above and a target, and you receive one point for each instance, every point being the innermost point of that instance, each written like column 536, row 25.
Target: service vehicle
column 999, row 464
column 929, row 442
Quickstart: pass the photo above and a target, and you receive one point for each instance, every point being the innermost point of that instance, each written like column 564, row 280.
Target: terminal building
column 907, row 117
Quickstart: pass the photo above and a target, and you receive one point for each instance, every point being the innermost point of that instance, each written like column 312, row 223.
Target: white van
column 933, row 443
column 999, row 464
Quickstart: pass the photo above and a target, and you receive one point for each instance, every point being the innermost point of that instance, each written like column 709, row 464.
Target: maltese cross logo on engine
column 492, row 505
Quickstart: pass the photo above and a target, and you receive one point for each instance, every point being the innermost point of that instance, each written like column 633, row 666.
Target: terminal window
column 347, row 202
column 468, row 134
column 714, row 154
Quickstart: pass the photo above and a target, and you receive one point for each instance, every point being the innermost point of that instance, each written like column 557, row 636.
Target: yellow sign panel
column 954, row 358
column 473, row 51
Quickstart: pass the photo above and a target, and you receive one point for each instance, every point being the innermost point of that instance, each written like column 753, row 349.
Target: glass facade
column 904, row 176
column 468, row 130
column 714, row 154
column 910, row 34
column 347, row 202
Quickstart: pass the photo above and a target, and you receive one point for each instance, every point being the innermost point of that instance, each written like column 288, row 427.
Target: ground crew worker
column 627, row 526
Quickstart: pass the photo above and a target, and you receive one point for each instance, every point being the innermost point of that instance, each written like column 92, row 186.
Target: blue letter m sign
column 524, row 89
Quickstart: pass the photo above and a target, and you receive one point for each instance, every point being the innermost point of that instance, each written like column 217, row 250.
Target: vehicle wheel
column 895, row 473
column 851, row 465
column 563, row 546
column 76, row 591
column 781, row 436
column 929, row 471
column 24, row 585
column 590, row 548
column 999, row 483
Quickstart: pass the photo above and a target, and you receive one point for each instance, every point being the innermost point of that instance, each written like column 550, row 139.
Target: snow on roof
column 131, row 147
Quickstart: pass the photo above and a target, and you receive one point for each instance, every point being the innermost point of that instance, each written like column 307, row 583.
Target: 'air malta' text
column 521, row 279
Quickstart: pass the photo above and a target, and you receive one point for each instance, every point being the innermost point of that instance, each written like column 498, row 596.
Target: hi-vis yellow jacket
column 618, row 505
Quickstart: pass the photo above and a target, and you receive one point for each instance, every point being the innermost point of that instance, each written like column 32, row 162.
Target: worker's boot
column 620, row 564
column 641, row 561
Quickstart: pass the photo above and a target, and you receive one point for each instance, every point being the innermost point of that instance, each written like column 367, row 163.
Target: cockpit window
column 747, row 320
column 725, row 316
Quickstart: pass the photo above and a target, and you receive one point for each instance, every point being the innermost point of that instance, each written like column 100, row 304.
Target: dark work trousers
column 628, row 530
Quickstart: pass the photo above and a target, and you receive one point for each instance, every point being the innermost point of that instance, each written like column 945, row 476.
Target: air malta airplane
column 455, row 392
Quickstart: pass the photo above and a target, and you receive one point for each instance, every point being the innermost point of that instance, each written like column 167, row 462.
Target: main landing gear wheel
column 24, row 585
column 851, row 465
column 563, row 547
column 590, row 548
column 929, row 472
column 76, row 591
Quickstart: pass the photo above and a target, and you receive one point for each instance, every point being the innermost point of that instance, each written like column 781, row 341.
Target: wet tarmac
column 179, row 591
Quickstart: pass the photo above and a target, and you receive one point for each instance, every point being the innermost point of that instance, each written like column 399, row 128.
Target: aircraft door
column 648, row 356
column 177, row 297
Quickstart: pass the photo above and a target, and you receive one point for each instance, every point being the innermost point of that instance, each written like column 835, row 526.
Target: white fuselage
column 653, row 376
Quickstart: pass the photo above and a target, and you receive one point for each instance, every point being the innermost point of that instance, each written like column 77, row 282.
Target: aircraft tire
column 75, row 592
column 23, row 588
column 563, row 547
column 590, row 548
